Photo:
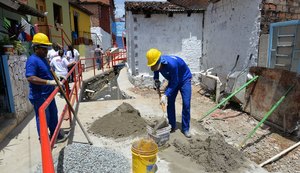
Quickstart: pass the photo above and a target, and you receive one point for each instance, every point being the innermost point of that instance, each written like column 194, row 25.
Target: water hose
column 227, row 98
column 266, row 116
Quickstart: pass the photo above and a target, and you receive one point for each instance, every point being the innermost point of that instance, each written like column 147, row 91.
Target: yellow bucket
column 144, row 156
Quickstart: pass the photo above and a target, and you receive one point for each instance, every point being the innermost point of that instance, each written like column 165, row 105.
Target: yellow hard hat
column 40, row 38
column 153, row 56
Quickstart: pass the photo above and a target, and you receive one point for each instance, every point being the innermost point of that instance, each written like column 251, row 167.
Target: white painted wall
column 231, row 28
column 106, row 38
column 178, row 35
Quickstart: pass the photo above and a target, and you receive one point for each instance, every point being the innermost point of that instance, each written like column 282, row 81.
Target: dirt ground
column 234, row 126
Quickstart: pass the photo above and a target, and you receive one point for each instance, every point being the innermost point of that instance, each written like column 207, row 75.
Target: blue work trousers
column 51, row 114
column 185, row 89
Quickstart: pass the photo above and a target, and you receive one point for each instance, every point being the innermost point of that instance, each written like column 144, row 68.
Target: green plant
column 10, row 36
column 13, row 31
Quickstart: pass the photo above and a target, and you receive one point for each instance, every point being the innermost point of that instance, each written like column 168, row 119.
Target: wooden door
column 41, row 6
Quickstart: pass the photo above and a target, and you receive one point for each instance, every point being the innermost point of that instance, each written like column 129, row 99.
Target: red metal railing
column 64, row 37
column 48, row 144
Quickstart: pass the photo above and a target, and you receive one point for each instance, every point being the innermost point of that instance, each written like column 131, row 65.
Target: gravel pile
column 88, row 159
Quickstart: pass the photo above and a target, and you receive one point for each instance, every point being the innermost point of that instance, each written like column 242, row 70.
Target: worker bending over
column 179, row 76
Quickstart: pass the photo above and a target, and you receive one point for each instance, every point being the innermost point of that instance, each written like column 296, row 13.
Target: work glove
column 52, row 82
column 157, row 83
column 164, row 100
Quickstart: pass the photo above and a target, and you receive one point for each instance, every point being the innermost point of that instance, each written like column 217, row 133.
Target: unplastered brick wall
column 277, row 11
column 20, row 86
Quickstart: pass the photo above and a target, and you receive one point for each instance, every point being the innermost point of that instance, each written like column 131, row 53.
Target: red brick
column 272, row 7
column 295, row 16
column 281, row 15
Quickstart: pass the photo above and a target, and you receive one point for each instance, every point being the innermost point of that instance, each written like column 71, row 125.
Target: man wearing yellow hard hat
column 179, row 76
column 41, row 83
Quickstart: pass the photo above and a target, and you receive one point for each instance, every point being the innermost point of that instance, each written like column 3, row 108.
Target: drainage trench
column 104, row 87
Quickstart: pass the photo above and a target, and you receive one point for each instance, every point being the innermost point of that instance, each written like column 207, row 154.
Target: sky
column 120, row 9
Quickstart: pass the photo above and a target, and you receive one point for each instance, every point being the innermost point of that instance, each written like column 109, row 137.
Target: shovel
column 163, row 122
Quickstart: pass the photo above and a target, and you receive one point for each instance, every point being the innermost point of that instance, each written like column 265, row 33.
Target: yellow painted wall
column 84, row 21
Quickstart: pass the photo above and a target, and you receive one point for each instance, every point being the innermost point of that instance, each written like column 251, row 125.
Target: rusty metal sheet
column 267, row 90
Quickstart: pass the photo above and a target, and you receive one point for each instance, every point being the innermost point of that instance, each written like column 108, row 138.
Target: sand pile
column 124, row 121
column 214, row 154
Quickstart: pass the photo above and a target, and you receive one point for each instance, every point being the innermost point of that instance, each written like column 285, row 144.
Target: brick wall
column 101, row 16
column 105, row 18
column 277, row 11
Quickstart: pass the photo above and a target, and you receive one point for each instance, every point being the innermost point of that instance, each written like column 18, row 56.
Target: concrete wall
column 231, row 28
column 178, row 35
column 104, row 36
column 20, row 86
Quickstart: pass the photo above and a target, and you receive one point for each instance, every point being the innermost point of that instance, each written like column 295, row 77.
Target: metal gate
column 284, row 45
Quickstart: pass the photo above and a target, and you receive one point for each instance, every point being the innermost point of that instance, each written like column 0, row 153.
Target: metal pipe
column 229, row 97
column 266, row 116
column 207, row 73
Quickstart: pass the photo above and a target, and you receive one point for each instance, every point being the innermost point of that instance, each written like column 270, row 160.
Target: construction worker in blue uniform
column 179, row 76
column 41, row 83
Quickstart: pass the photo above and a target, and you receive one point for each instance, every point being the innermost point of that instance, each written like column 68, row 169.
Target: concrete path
column 20, row 152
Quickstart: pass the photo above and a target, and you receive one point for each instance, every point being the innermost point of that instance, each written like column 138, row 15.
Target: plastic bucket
column 144, row 156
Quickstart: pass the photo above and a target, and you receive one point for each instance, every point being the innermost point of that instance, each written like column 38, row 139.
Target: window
column 57, row 11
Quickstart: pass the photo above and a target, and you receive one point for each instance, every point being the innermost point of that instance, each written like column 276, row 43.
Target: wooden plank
column 271, row 85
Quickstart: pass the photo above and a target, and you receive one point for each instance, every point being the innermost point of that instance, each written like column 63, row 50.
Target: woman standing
column 72, row 56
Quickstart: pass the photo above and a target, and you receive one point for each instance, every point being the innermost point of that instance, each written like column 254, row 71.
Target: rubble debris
column 213, row 153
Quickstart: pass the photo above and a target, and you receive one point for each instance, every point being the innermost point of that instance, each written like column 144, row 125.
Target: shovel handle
column 163, row 107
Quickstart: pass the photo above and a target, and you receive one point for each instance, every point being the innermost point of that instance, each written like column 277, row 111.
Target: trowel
column 163, row 122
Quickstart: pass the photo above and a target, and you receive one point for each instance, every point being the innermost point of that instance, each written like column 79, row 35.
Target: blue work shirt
column 175, row 70
column 39, row 67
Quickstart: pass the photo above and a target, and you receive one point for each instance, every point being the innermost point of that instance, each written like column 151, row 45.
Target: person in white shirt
column 53, row 52
column 72, row 56
column 60, row 65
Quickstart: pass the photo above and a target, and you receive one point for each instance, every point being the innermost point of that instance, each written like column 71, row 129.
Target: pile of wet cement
column 214, row 154
column 124, row 121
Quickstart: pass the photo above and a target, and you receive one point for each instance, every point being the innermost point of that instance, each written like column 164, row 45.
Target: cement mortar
column 124, row 121
column 213, row 153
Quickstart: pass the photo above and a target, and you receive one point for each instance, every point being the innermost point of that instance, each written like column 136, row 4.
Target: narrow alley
column 114, row 70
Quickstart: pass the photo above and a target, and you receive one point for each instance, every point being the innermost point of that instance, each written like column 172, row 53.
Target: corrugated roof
column 191, row 4
column 153, row 7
